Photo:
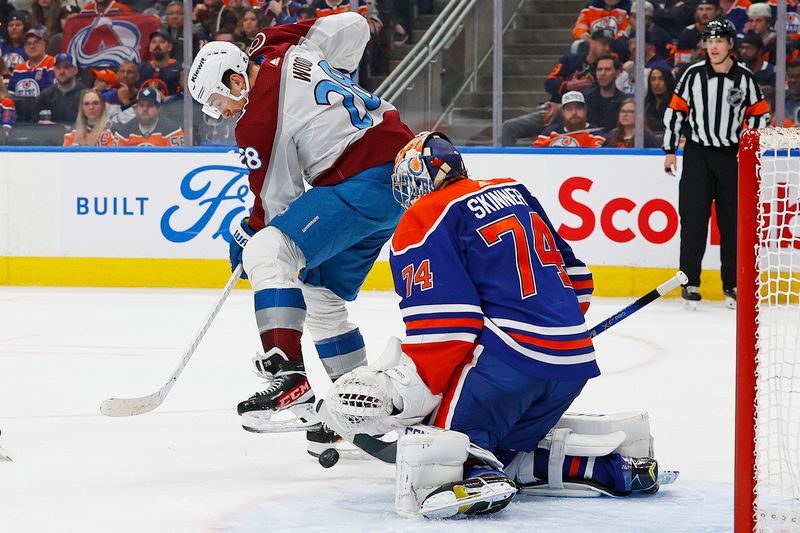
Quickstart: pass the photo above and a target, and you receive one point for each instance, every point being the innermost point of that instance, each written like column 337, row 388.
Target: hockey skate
column 730, row 298
column 286, row 404
column 483, row 494
column 690, row 295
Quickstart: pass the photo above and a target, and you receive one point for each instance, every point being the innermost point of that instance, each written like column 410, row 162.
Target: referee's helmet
column 721, row 29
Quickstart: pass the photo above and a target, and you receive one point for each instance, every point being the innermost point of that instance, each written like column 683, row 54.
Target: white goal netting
column 777, row 447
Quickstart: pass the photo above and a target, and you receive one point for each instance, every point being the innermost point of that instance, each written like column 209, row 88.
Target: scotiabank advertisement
column 616, row 209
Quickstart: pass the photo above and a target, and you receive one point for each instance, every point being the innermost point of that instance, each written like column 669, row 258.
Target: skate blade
column 448, row 505
column 295, row 418
column 690, row 305
column 4, row 456
column 667, row 477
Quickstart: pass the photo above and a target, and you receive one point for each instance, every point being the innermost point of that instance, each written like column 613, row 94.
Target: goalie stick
column 145, row 404
column 387, row 451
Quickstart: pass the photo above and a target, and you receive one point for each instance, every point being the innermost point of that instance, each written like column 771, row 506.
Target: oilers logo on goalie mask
column 424, row 163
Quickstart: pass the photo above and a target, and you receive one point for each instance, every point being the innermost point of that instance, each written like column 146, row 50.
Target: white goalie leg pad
column 635, row 424
column 272, row 260
column 425, row 462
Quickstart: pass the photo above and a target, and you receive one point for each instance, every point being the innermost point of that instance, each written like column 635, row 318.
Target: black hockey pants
column 708, row 174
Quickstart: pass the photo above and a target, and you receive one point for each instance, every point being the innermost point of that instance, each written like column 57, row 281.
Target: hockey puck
column 328, row 458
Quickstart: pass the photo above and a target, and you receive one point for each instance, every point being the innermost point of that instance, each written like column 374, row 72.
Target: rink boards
column 155, row 217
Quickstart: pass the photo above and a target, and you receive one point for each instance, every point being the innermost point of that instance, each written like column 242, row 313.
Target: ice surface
column 189, row 467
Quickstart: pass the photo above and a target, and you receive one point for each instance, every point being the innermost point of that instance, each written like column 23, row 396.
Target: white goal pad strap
column 635, row 424
column 425, row 462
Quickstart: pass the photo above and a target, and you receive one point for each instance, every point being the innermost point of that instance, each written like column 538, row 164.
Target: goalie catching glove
column 383, row 397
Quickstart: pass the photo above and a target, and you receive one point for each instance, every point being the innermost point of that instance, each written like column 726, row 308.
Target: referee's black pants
column 708, row 174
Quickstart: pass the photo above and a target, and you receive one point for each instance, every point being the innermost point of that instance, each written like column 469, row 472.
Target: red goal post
column 767, row 462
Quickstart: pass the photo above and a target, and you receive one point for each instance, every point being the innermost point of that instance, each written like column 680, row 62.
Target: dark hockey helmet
column 423, row 164
column 721, row 29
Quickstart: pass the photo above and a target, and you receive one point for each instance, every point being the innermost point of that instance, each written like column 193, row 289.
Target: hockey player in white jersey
column 303, row 121
column 496, row 350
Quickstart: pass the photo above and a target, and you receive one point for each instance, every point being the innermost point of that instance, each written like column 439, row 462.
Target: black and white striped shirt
column 717, row 105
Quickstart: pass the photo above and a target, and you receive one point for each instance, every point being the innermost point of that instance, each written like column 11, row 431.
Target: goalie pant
column 506, row 411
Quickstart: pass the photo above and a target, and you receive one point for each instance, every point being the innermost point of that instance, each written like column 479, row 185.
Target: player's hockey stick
column 387, row 451
column 674, row 282
column 145, row 404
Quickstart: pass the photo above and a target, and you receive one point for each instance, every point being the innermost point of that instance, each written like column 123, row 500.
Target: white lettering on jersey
column 489, row 202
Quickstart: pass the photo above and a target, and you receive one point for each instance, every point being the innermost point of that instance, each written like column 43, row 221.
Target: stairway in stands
column 531, row 48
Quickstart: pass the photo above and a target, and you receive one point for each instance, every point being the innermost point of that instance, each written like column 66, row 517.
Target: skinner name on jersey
column 491, row 201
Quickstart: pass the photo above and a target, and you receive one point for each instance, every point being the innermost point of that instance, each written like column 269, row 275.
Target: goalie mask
column 423, row 164
column 208, row 69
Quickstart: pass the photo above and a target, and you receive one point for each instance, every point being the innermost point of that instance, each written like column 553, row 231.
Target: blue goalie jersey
column 478, row 262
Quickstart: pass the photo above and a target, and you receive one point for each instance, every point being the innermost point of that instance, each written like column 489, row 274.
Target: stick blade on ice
column 130, row 406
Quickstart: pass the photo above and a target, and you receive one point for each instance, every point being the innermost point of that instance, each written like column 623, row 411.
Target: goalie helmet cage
column 767, row 463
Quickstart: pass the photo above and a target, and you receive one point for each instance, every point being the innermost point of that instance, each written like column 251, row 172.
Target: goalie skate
column 484, row 494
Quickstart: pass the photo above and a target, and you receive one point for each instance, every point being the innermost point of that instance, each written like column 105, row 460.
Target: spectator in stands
column 660, row 84
column 149, row 128
column 530, row 124
column 55, row 41
column 673, row 15
column 305, row 13
column 8, row 113
column 651, row 57
column 751, row 53
column 213, row 16
column 575, row 72
column 105, row 7
column 6, row 8
column 760, row 23
column 228, row 37
column 13, row 49
column 623, row 135
column 705, row 12
column 162, row 72
column 60, row 102
column 660, row 37
column 249, row 26
column 686, row 55
column 45, row 14
column 735, row 11
column 124, row 96
column 173, row 25
column 91, row 126
column 576, row 130
column 769, row 96
column 601, row 15
column 31, row 77
column 324, row 8
column 282, row 12
column 603, row 101
column 792, row 109
column 105, row 82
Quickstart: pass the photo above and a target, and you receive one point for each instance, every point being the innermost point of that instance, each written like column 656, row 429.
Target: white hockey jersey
column 306, row 120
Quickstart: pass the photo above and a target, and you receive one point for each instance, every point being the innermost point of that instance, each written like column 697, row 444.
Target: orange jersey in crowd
column 174, row 138
column 113, row 7
column 593, row 18
column 325, row 12
column 581, row 139
column 106, row 138
column 8, row 113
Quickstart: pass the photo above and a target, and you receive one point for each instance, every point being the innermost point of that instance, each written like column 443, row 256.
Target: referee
column 711, row 103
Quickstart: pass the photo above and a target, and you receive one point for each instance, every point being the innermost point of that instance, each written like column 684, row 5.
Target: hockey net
column 767, row 484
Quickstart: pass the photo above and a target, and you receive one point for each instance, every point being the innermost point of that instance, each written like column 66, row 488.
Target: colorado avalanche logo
column 106, row 42
column 565, row 141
